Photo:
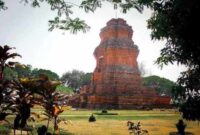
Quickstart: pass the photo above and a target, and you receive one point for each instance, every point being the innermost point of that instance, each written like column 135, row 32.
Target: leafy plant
column 75, row 79
column 6, row 86
column 14, row 99
column 63, row 89
column 18, row 95
column 104, row 111
column 92, row 118
column 4, row 129
column 39, row 91
column 47, row 97
column 23, row 102
column 5, row 55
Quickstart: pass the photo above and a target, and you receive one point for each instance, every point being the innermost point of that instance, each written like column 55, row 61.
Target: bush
column 104, row 111
column 92, row 118
column 4, row 129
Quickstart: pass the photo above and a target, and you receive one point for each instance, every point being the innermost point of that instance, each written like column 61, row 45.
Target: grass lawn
column 155, row 121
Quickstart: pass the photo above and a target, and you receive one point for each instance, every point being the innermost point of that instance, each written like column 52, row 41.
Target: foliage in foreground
column 19, row 95
column 175, row 21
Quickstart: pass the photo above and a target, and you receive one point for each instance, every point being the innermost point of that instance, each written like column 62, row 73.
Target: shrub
column 4, row 129
column 92, row 118
column 104, row 111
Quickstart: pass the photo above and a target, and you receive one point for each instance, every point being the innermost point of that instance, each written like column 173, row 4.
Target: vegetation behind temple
column 163, row 86
column 75, row 79
column 28, row 71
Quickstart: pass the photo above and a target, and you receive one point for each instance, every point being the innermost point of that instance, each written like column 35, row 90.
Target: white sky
column 27, row 29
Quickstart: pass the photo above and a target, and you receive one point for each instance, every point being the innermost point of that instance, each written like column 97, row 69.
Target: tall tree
column 176, row 21
column 75, row 79
column 72, row 79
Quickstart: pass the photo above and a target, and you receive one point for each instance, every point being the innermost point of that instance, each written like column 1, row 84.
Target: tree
column 72, row 79
column 178, row 95
column 175, row 21
column 63, row 19
column 23, row 70
column 6, row 86
column 86, row 79
column 76, row 79
column 51, row 75
column 14, row 99
column 5, row 56
column 9, row 74
column 163, row 86
column 2, row 6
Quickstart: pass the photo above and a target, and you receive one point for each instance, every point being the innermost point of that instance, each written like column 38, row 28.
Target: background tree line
column 22, row 71
column 73, row 80
column 76, row 79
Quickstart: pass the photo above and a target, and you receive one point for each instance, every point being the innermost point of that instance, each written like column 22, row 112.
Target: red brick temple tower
column 116, row 81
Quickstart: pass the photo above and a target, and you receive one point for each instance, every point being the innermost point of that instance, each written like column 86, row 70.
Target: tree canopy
column 51, row 75
column 75, row 79
column 64, row 9
column 163, row 86
column 22, row 71
column 176, row 22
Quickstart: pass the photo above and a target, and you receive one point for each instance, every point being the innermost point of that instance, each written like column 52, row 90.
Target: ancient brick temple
column 116, row 81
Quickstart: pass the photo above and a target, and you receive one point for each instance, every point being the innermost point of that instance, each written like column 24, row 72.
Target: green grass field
column 157, row 122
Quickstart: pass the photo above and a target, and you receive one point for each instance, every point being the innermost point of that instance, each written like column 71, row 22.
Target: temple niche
column 116, row 82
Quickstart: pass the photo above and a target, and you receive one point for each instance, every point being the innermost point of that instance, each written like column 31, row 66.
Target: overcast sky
column 26, row 29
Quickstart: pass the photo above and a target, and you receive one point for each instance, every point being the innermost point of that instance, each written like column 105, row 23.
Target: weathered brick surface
column 116, row 81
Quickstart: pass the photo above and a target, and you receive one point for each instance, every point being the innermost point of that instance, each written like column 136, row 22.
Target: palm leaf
column 12, row 55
